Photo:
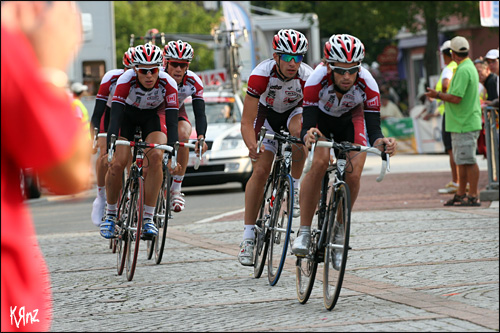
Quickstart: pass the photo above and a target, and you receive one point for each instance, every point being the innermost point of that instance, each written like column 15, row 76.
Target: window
column 93, row 71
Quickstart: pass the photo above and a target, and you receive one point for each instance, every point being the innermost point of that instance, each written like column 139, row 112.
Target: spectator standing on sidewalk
column 39, row 130
column 442, row 86
column 81, row 111
column 492, row 59
column 463, row 120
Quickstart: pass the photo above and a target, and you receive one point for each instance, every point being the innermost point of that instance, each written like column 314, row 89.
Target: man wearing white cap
column 492, row 59
column 81, row 111
column 442, row 86
column 463, row 120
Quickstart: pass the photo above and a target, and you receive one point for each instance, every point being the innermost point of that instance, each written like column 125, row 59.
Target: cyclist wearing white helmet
column 176, row 58
column 274, row 100
column 100, row 120
column 339, row 98
column 145, row 97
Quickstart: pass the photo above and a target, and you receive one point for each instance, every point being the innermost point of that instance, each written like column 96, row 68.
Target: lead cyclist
column 339, row 98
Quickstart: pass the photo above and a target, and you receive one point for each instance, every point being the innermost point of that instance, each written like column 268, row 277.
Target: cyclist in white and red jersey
column 145, row 97
column 100, row 120
column 274, row 100
column 176, row 58
column 339, row 98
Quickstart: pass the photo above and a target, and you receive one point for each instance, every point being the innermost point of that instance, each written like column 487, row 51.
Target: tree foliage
column 376, row 23
column 170, row 17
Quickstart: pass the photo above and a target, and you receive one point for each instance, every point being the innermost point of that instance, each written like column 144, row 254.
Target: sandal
column 472, row 201
column 458, row 200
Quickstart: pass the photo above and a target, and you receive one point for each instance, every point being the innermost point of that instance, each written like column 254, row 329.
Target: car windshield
column 218, row 110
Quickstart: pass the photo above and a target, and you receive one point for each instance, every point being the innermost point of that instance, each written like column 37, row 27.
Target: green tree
column 170, row 17
column 376, row 23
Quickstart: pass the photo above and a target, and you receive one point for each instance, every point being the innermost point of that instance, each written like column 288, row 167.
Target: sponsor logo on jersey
column 373, row 102
column 172, row 98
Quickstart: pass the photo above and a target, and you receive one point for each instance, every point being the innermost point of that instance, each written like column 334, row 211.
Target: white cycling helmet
column 148, row 54
column 178, row 50
column 344, row 48
column 290, row 41
column 128, row 57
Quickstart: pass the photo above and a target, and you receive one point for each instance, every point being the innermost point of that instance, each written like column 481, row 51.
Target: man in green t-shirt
column 463, row 120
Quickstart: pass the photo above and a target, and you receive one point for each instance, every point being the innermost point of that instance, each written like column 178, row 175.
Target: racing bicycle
column 273, row 228
column 330, row 238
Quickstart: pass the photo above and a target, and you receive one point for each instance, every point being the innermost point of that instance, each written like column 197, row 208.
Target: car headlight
column 232, row 142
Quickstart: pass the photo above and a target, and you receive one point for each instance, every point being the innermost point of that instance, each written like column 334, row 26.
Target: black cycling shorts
column 148, row 119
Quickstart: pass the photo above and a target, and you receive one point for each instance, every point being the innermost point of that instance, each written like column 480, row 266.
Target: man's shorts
column 464, row 147
column 273, row 122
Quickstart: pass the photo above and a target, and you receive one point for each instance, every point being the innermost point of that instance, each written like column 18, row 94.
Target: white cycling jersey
column 129, row 91
column 191, row 85
column 108, row 85
column 272, row 92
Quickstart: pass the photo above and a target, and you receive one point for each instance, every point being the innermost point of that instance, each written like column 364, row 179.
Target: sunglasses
column 182, row 65
column 145, row 71
column 342, row 70
column 289, row 57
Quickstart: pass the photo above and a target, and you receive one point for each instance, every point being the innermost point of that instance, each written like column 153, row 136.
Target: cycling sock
column 296, row 183
column 176, row 183
column 304, row 229
column 111, row 209
column 248, row 232
column 101, row 192
column 148, row 212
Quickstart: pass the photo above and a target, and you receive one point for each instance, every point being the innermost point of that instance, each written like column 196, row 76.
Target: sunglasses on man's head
column 289, row 57
column 182, row 65
column 342, row 70
column 145, row 71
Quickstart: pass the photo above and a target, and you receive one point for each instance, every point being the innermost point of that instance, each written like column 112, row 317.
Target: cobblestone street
column 409, row 270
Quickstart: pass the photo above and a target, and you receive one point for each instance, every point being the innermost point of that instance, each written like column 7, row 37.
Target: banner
column 402, row 130
column 489, row 13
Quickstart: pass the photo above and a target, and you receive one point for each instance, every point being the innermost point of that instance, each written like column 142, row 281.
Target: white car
column 226, row 159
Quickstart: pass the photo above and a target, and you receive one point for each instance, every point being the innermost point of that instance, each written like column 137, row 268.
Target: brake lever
column 201, row 143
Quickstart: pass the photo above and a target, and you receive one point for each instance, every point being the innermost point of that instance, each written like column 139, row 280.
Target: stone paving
column 409, row 270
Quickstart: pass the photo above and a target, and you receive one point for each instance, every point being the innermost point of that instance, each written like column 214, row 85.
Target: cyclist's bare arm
column 72, row 174
column 250, row 107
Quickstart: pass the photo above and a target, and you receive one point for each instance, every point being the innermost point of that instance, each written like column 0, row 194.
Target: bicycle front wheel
column 262, row 231
column 281, row 223
column 161, row 217
column 134, row 227
column 337, row 245
column 122, row 220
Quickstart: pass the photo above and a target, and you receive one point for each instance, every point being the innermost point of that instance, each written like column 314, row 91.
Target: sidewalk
column 409, row 270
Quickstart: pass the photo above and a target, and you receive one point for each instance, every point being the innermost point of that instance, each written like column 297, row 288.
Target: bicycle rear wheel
column 305, row 272
column 262, row 231
column 337, row 245
column 162, row 215
column 134, row 227
column 281, row 223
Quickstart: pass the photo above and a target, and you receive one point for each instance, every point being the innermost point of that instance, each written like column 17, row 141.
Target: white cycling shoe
column 245, row 257
column 177, row 202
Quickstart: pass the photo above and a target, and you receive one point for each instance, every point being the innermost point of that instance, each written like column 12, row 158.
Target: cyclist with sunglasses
column 145, row 97
column 274, row 100
column 339, row 98
column 100, row 120
column 176, row 58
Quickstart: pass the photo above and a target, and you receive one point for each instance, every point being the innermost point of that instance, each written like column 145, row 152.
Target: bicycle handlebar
column 350, row 147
